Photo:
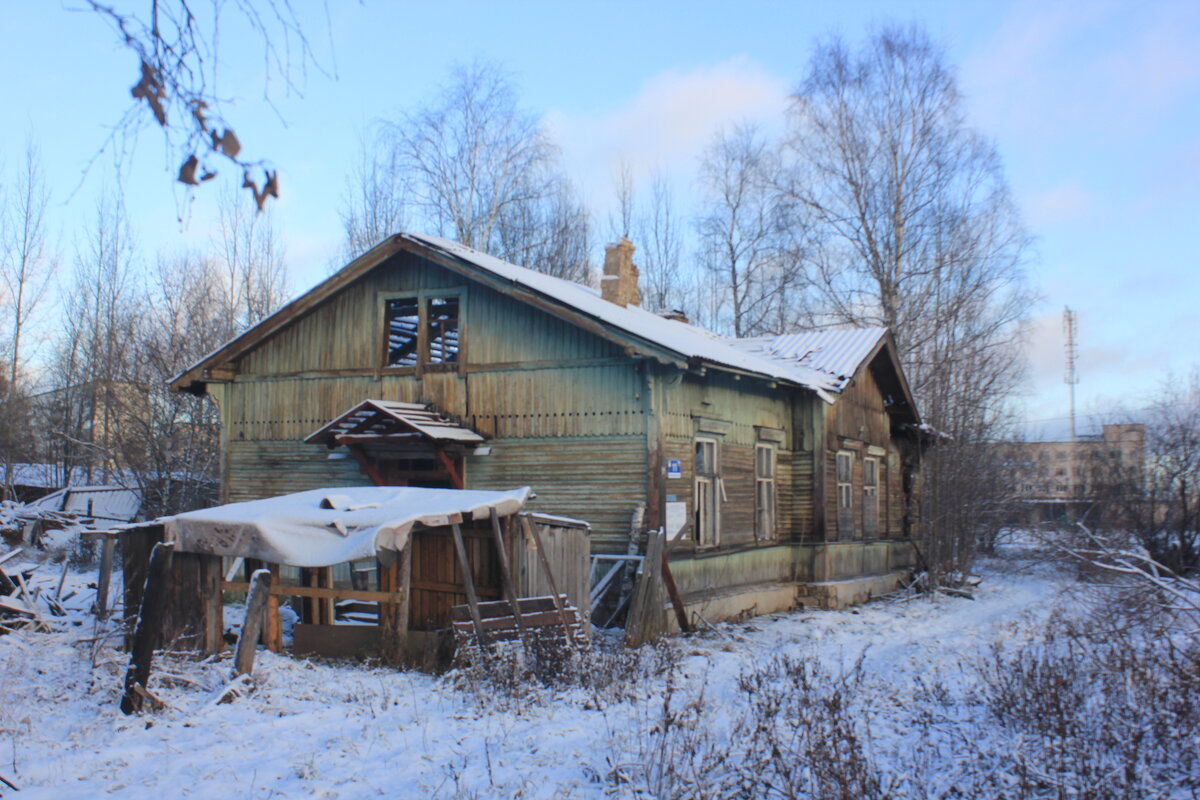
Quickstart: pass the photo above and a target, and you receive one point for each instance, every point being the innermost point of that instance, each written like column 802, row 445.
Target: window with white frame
column 845, row 494
column 764, row 491
column 707, row 493
column 845, row 472
column 871, row 497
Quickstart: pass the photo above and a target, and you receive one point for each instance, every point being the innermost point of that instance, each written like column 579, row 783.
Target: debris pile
column 26, row 600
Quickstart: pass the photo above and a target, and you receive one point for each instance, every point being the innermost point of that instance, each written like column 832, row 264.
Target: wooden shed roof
column 385, row 417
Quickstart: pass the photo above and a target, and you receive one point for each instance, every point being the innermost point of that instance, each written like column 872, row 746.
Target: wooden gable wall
column 857, row 422
column 564, row 408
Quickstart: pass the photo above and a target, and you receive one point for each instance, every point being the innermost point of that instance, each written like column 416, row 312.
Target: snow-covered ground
column 331, row 730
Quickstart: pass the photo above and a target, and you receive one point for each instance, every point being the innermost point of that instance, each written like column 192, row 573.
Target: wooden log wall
column 737, row 414
column 858, row 422
column 562, row 407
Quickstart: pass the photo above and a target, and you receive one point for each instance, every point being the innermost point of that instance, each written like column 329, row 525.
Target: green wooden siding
column 596, row 479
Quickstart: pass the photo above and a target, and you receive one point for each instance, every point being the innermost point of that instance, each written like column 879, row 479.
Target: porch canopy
column 390, row 421
column 323, row 527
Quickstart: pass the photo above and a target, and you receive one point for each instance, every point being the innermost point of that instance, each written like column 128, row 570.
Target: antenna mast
column 1070, row 331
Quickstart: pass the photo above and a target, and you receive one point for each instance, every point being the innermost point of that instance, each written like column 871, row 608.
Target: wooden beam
column 149, row 627
column 673, row 593
column 456, row 477
column 107, row 546
column 256, row 608
column 317, row 592
column 468, row 579
column 505, row 571
column 367, row 466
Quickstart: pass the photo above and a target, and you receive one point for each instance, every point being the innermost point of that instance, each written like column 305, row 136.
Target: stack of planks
column 540, row 617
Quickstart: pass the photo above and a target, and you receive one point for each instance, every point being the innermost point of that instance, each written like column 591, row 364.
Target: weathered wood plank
column 148, row 632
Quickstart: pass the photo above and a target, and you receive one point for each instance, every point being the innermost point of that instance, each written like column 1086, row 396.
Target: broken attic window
column 402, row 322
column 443, row 330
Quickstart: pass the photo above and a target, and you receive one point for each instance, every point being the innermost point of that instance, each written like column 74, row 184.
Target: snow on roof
column 678, row 337
column 323, row 527
column 835, row 353
column 382, row 416
column 106, row 505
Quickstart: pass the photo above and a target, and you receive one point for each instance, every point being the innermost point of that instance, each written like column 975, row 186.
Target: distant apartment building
column 1055, row 481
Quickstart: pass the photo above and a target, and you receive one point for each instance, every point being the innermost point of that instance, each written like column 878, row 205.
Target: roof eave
column 195, row 378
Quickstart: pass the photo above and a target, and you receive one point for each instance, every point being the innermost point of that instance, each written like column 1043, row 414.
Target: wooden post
column 149, row 627
column 256, row 609
column 273, row 625
column 531, row 530
column 468, row 579
column 510, row 592
column 393, row 617
column 644, row 620
column 673, row 593
column 102, row 584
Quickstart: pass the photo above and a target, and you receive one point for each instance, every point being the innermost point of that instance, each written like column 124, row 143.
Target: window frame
column 423, row 298
column 706, row 535
column 766, row 503
column 846, row 529
column 871, row 488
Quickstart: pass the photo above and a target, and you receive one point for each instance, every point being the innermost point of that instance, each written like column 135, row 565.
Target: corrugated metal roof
column 836, row 353
column 106, row 505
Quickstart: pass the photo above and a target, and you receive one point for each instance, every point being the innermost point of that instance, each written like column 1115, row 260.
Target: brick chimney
column 619, row 283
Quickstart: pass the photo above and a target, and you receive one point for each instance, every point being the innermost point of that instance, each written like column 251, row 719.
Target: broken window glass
column 443, row 330
column 402, row 323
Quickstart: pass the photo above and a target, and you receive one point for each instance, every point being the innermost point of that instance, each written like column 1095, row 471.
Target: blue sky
column 1094, row 107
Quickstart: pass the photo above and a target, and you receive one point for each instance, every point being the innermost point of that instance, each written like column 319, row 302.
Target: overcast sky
column 1094, row 107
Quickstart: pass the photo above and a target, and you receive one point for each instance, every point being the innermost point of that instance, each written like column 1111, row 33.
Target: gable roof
column 837, row 354
column 383, row 417
column 642, row 330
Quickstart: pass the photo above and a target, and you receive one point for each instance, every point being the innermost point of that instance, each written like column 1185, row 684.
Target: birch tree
column 253, row 259
column 913, row 228
column 744, row 232
column 484, row 172
column 375, row 203
column 26, row 269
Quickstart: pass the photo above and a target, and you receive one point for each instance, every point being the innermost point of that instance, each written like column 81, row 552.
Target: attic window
column 422, row 331
column 402, row 322
column 442, row 316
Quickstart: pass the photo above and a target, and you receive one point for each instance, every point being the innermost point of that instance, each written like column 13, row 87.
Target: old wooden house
column 786, row 466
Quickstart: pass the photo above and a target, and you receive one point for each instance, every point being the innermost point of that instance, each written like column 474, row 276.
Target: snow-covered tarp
column 323, row 527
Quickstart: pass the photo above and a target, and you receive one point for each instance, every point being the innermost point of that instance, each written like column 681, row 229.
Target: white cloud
column 667, row 123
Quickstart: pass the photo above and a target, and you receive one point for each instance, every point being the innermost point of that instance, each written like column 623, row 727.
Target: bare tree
column 620, row 219
column 484, row 172
column 168, row 442
column 913, row 228
column 660, row 240
column 552, row 235
column 93, row 350
column 744, row 231
column 26, row 268
column 252, row 258
column 375, row 203
column 178, row 66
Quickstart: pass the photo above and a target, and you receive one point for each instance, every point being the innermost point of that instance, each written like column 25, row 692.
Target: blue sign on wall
column 674, row 468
